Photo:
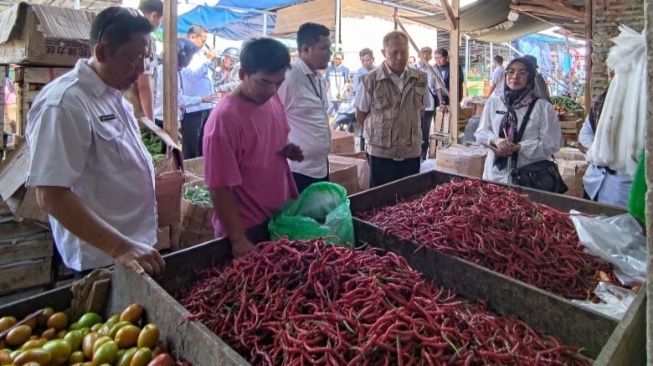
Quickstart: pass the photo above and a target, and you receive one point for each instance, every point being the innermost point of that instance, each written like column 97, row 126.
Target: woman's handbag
column 542, row 175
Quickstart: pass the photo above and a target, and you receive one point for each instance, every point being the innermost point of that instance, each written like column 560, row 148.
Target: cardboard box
column 44, row 35
column 461, row 160
column 569, row 153
column 342, row 142
column 345, row 174
column 196, row 222
column 194, row 167
column 572, row 173
column 21, row 201
column 362, row 167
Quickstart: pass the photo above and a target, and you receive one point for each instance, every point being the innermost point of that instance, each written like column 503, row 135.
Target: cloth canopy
column 244, row 19
column 487, row 20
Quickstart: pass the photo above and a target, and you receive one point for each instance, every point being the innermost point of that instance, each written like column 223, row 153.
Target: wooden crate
column 28, row 82
column 26, row 252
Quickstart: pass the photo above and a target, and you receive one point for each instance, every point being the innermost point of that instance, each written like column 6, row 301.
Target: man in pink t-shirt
column 246, row 147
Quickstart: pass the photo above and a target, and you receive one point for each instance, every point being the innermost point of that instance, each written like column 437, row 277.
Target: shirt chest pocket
column 110, row 150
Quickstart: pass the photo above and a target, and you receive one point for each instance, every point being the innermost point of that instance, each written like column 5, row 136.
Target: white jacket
column 542, row 136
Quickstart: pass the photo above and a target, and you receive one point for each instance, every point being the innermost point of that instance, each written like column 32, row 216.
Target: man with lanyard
column 429, row 107
column 247, row 146
column 195, row 117
column 337, row 82
column 367, row 64
column 92, row 173
column 442, row 64
column 228, row 79
column 389, row 105
column 141, row 95
column 305, row 102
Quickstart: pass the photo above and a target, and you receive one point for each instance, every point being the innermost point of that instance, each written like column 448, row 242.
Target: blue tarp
column 233, row 24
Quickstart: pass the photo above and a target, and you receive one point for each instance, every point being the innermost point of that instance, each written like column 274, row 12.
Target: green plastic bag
column 321, row 211
column 637, row 198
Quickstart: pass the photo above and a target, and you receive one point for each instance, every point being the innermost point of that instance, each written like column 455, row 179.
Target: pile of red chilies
column 499, row 229
column 310, row 303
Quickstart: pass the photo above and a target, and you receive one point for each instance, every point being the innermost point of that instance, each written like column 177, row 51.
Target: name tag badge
column 108, row 117
column 501, row 112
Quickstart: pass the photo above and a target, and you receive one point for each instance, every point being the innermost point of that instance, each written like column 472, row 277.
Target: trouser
column 192, row 133
column 384, row 170
column 303, row 181
column 427, row 119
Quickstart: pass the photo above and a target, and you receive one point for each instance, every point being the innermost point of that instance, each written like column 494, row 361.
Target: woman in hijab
column 503, row 117
column 185, row 51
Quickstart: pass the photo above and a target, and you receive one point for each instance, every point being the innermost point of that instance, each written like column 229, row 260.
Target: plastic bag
column 616, row 300
column 619, row 240
column 637, row 199
column 321, row 211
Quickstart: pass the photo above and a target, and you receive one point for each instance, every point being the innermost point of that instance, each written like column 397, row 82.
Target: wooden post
column 454, row 61
column 588, row 54
column 648, row 14
column 170, row 110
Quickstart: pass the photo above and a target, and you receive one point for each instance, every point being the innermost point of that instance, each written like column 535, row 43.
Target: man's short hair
column 426, row 49
column 442, row 52
column 394, row 35
column 309, row 34
column 339, row 53
column 196, row 30
column 265, row 54
column 498, row 59
column 116, row 25
column 366, row 52
column 151, row 6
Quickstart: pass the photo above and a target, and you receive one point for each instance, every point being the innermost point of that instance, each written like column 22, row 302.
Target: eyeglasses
column 133, row 12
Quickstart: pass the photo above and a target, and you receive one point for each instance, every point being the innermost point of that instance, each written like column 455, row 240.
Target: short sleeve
column 59, row 140
column 363, row 99
column 221, row 150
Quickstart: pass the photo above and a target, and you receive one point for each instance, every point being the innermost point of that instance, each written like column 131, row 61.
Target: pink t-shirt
column 241, row 144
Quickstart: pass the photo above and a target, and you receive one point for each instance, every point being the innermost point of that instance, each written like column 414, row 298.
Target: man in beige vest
column 389, row 104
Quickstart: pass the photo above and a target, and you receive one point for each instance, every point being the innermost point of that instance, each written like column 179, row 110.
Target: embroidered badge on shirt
column 108, row 117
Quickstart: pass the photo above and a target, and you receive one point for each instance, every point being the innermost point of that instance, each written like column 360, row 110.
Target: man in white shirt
column 367, row 64
column 91, row 171
column 498, row 77
column 426, row 54
column 195, row 117
column 305, row 102
column 141, row 95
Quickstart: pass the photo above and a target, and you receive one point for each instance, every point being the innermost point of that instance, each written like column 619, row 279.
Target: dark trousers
column 383, row 170
column 303, row 181
column 78, row 275
column 427, row 119
column 192, row 133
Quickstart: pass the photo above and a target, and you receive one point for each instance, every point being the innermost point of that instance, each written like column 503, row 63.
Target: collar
column 386, row 73
column 304, row 68
column 91, row 79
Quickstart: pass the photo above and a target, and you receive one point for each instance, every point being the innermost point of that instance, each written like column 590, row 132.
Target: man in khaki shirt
column 389, row 104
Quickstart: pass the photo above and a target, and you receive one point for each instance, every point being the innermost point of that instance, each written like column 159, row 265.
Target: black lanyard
column 315, row 89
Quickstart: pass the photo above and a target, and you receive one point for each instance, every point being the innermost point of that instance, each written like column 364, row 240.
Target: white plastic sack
column 619, row 240
column 427, row 165
column 622, row 125
column 615, row 300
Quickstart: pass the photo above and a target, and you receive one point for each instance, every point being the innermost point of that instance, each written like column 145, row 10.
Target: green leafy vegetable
column 152, row 142
column 198, row 195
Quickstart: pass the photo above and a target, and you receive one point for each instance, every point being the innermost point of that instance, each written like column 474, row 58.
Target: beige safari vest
column 392, row 127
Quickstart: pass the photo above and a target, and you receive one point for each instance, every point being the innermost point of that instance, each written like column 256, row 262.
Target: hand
column 505, row 148
column 210, row 98
column 580, row 147
column 444, row 108
column 140, row 257
column 210, row 55
column 240, row 247
column 292, row 152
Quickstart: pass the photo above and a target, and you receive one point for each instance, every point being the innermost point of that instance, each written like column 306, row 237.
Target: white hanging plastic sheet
column 620, row 135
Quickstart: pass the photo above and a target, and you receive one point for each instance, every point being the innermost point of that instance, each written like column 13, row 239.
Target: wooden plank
column 454, row 61
column 25, row 275
column 35, row 249
column 588, row 52
column 42, row 75
column 98, row 296
column 448, row 13
column 16, row 232
column 59, row 299
column 29, row 96
column 551, row 314
column 170, row 111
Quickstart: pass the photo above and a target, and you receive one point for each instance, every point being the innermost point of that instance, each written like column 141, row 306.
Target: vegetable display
column 198, row 195
column 307, row 302
column 565, row 105
column 44, row 338
column 152, row 142
column 499, row 229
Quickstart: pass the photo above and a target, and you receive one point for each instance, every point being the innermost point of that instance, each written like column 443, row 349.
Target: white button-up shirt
column 305, row 102
column 184, row 101
column 197, row 87
column 82, row 135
